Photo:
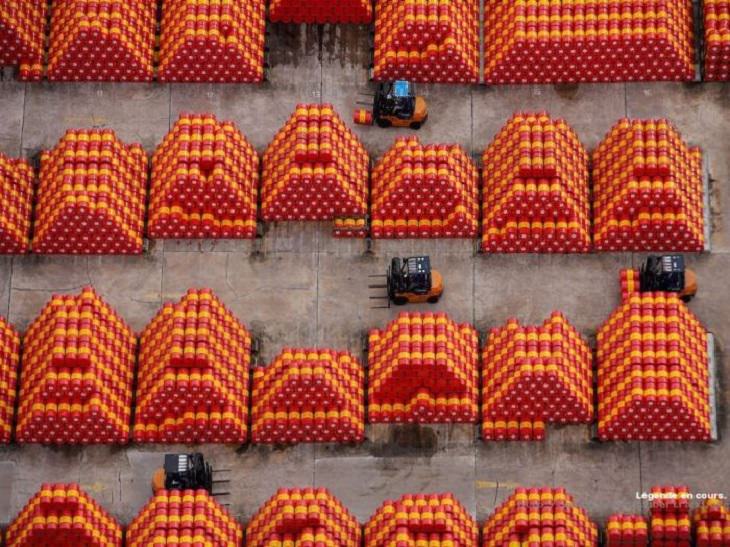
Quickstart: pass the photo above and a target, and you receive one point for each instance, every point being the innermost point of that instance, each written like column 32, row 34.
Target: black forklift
column 668, row 273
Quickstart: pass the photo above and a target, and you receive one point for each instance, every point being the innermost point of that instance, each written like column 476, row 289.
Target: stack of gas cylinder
column 669, row 517
column 16, row 193
column 536, row 195
column 93, row 41
column 427, row 40
column 192, row 384
column 539, row 516
column 575, row 41
column 63, row 514
column 321, row 11
column 23, row 36
column 309, row 395
column 648, row 190
column 626, row 531
column 205, row 178
column 423, row 368
column 304, row 516
column 717, row 39
column 350, row 228
column 534, row 375
column 652, row 369
column 183, row 517
column 212, row 41
column 91, row 197
column 424, row 191
column 78, row 368
column 421, row 519
column 9, row 360
column 712, row 524
column 315, row 169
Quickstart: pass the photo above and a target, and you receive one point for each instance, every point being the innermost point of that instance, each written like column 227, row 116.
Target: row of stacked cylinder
column 65, row 515
column 717, row 40
column 321, row 11
column 602, row 41
column 419, row 40
column 427, row 41
column 648, row 188
column 653, row 356
column 195, row 361
column 118, row 40
column 671, row 522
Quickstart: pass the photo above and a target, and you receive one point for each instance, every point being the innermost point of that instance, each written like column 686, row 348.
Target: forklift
column 668, row 274
column 186, row 472
column 410, row 281
column 397, row 105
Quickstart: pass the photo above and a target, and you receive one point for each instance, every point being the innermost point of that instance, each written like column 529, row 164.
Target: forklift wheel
column 383, row 123
column 433, row 300
column 400, row 301
column 416, row 125
column 687, row 298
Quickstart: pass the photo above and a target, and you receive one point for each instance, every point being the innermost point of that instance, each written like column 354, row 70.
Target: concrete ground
column 298, row 286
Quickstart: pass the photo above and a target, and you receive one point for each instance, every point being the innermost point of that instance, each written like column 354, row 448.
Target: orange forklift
column 410, row 281
column 397, row 105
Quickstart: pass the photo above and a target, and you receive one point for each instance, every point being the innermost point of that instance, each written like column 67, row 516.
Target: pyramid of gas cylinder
column 9, row 359
column 61, row 515
column 78, row 368
column 711, row 523
column 303, row 517
column 717, row 39
column 577, row 41
column 16, row 188
column 652, row 369
column 648, row 190
column 427, row 41
column 422, row 519
column 205, row 178
column 534, row 375
column 539, row 516
column 183, row 517
column 212, row 41
column 669, row 516
column 536, row 196
column 102, row 41
column 321, row 11
column 425, row 191
column 626, row 531
column 192, row 383
column 423, row 367
column 315, row 169
column 91, row 197
column 309, row 395
column 22, row 36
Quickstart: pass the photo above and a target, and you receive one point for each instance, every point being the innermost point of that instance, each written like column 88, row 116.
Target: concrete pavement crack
column 53, row 290
column 228, row 279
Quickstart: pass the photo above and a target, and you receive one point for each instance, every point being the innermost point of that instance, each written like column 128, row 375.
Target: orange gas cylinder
column 363, row 116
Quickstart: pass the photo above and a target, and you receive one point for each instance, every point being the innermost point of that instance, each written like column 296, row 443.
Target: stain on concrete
column 567, row 91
